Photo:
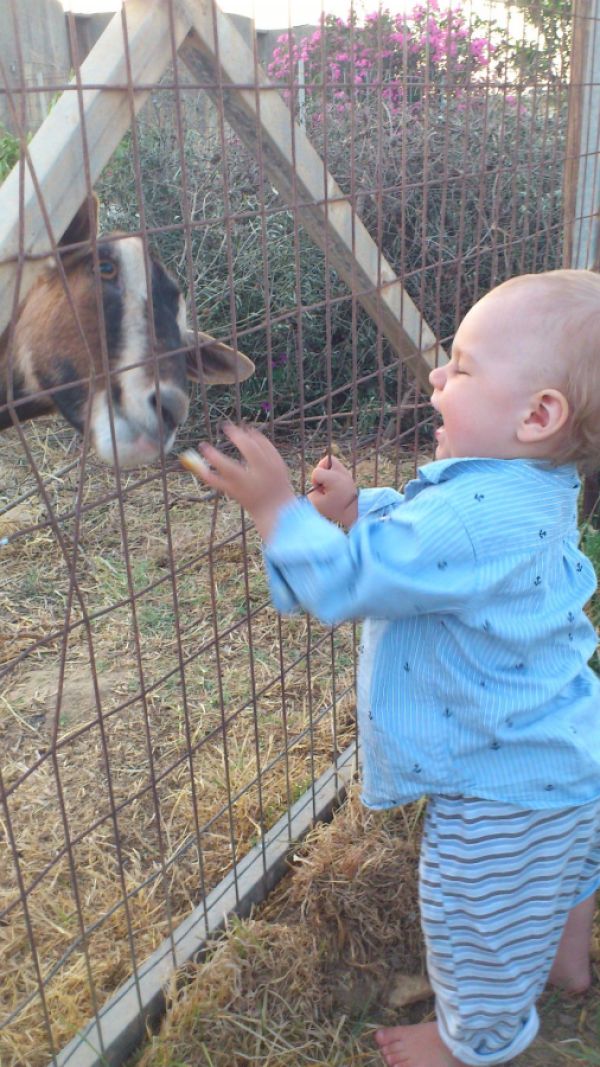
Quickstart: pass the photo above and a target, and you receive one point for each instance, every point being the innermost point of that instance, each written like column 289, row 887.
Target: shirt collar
column 442, row 470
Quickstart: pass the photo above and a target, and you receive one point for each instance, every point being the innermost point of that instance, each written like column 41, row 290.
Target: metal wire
column 453, row 162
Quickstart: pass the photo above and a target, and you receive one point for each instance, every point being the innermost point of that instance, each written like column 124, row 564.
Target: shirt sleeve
column 397, row 561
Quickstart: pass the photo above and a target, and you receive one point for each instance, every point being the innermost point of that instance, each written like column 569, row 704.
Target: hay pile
column 335, row 952
column 302, row 982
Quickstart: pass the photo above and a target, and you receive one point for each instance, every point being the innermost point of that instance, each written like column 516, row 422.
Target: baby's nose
column 437, row 377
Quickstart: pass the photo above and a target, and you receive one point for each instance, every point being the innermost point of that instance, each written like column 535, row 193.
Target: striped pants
column 497, row 884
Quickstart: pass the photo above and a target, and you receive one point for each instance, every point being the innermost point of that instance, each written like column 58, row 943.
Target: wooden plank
column 581, row 184
column 581, row 191
column 122, row 1023
column 56, row 151
column 264, row 124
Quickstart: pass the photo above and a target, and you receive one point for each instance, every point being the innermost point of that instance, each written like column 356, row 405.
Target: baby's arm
column 398, row 561
column 334, row 493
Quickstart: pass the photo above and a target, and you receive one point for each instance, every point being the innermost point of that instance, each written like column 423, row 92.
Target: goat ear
column 83, row 224
column 214, row 362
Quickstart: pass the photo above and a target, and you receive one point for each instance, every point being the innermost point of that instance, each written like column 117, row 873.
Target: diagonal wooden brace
column 82, row 131
column 263, row 122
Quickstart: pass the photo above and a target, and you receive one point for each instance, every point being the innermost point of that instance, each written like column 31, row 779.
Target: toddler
column 474, row 684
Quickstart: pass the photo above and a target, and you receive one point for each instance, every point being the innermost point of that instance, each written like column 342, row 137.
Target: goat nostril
column 173, row 408
column 168, row 421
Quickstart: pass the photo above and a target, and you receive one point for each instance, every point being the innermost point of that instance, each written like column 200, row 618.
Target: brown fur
column 46, row 315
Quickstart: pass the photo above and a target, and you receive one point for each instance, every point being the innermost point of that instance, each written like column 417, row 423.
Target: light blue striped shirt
column 473, row 676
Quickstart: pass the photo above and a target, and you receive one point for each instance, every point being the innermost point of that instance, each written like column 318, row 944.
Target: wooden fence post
column 582, row 180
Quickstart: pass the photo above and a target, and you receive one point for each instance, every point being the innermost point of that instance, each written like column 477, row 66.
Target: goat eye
column 108, row 269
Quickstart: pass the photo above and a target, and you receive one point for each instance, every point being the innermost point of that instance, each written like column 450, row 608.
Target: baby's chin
column 441, row 448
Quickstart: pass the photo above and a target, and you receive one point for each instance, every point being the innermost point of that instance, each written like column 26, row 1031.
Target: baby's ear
column 547, row 415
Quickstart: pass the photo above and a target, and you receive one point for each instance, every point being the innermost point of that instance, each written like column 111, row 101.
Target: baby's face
column 483, row 393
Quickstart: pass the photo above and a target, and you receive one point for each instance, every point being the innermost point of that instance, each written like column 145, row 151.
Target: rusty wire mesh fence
column 331, row 200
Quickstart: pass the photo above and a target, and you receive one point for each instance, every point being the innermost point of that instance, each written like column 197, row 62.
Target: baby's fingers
column 195, row 463
column 245, row 438
column 323, row 478
column 332, row 463
column 251, row 443
column 227, row 469
column 212, row 467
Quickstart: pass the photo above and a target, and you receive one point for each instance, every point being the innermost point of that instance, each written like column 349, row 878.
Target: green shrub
column 9, row 152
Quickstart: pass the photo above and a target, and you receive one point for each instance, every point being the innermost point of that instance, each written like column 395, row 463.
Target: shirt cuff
column 379, row 499
column 299, row 524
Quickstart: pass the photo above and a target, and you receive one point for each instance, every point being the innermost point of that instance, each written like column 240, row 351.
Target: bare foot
column 571, row 969
column 415, row 1046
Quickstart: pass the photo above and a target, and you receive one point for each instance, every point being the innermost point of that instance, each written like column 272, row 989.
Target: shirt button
column 549, row 788
column 447, row 713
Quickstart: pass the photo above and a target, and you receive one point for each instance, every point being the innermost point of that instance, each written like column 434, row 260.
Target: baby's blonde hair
column 568, row 305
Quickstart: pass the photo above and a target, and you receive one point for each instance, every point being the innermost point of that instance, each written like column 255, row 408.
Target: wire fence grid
column 157, row 718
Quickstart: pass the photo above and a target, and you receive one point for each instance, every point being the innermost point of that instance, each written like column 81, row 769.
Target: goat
column 55, row 361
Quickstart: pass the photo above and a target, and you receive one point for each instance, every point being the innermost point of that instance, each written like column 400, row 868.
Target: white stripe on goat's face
column 148, row 386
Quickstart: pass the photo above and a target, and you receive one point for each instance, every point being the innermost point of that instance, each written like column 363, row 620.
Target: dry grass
column 335, row 953
column 296, row 984
column 134, row 708
column 308, row 980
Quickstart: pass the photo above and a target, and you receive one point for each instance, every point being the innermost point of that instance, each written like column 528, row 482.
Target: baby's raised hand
column 334, row 494
column 261, row 484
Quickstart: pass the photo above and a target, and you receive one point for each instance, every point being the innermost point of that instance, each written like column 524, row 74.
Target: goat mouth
column 143, row 449
column 136, row 445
